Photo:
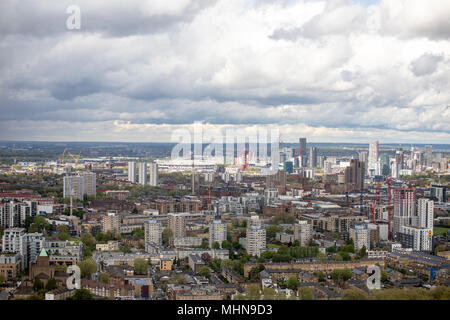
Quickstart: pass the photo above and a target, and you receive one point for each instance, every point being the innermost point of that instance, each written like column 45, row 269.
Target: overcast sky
column 331, row 71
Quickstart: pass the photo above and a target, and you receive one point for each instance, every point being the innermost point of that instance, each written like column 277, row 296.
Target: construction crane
column 388, row 182
column 374, row 203
column 61, row 157
column 76, row 158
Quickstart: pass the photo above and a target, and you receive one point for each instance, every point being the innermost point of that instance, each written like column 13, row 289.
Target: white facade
column 153, row 174
column 217, row 232
column 425, row 211
column 303, row 232
column 79, row 185
column 360, row 234
column 422, row 237
column 153, row 233
column 142, row 173
column 132, row 171
column 256, row 240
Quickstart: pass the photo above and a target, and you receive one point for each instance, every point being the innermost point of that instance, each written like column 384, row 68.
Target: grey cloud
column 425, row 65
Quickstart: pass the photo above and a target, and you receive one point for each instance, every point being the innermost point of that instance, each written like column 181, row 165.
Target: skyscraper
column 79, row 185
column 404, row 208
column 302, row 151
column 142, row 173
column 384, row 160
column 354, row 174
column 373, row 158
column 132, row 171
column 425, row 212
column 153, row 174
column 428, row 156
column 256, row 240
column 313, row 157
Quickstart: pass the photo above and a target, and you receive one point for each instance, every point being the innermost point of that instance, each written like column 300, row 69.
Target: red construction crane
column 374, row 203
column 388, row 182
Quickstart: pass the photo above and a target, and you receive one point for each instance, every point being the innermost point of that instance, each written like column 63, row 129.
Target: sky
column 331, row 71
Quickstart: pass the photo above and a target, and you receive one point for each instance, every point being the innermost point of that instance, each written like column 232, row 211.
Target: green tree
column 41, row 223
column 204, row 271
column 354, row 294
column 292, row 282
column 138, row 233
column 63, row 232
column 37, row 284
column 88, row 240
column 87, row 267
column 362, row 252
column 383, row 275
column 253, row 292
column 305, row 293
column 216, row 245
column 340, row 276
column 51, row 284
column 140, row 266
column 227, row 245
column 82, row 294
column 166, row 235
column 2, row 279
column 103, row 277
column 441, row 293
column 269, row 294
column 272, row 230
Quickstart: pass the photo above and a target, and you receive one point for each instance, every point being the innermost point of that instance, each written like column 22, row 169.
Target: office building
column 217, row 232
column 313, row 157
column 354, row 174
column 428, row 156
column 373, row 158
column 302, row 152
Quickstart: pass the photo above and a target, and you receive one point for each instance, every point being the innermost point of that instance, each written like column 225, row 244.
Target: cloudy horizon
column 331, row 71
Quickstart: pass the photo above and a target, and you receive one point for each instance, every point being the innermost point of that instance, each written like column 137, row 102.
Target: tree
column 227, row 245
column 205, row 244
column 320, row 276
column 255, row 271
column 253, row 292
column 138, row 233
column 41, row 223
column 206, row 257
column 272, row 230
column 296, row 243
column 322, row 256
column 384, row 275
column 140, row 266
column 87, row 267
column 339, row 276
column 2, row 279
column 441, row 293
column 63, row 232
column 216, row 245
column 354, row 294
column 305, row 293
column 51, row 284
column 82, row 294
column 88, row 240
column 204, row 271
column 269, row 293
column 37, row 284
column 332, row 249
column 166, row 235
column 103, row 277
column 362, row 252
column 292, row 282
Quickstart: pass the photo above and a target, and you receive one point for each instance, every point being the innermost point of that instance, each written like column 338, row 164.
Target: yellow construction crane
column 75, row 157
column 61, row 157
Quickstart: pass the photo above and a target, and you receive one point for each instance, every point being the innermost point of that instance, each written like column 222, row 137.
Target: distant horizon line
column 170, row 142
